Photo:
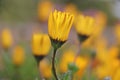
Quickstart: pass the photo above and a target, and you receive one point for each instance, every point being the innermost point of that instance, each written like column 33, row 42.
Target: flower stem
column 39, row 77
column 53, row 65
column 17, row 73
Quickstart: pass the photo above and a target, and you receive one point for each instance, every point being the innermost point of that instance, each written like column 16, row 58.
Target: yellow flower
column 114, row 52
column 107, row 69
column 84, row 26
column 117, row 32
column 101, row 45
column 40, row 44
column 6, row 38
column 109, row 63
column 101, row 20
column 45, row 69
column 81, row 63
column 59, row 25
column 18, row 55
column 44, row 9
column 67, row 58
column 117, row 75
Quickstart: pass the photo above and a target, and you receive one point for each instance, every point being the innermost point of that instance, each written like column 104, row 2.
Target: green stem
column 89, row 70
column 53, row 65
column 39, row 77
column 17, row 73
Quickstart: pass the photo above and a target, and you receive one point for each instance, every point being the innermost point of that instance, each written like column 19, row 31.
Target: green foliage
column 27, row 71
column 8, row 70
column 67, row 76
column 92, row 77
column 72, row 68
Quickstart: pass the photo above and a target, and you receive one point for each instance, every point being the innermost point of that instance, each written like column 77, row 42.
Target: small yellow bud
column 18, row 55
column 44, row 9
column 6, row 38
column 40, row 44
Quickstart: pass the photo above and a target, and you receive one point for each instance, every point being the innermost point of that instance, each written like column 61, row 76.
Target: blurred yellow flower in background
column 18, row 55
column 109, row 63
column 71, row 8
column 101, row 49
column 40, row 44
column 81, row 63
column 84, row 26
column 45, row 69
column 100, row 23
column 103, row 71
column 117, row 32
column 6, row 38
column 44, row 9
column 59, row 25
column 67, row 58
column 100, row 45
column 107, row 69
column 117, row 75
column 114, row 52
